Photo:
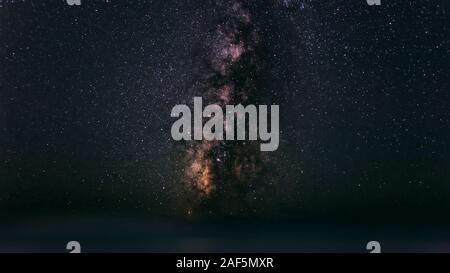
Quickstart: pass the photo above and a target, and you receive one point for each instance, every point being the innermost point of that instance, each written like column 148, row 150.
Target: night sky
column 86, row 94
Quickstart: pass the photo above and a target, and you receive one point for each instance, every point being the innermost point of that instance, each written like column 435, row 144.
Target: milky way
column 223, row 173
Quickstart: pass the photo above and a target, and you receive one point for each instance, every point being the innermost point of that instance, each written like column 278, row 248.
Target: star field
column 86, row 94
